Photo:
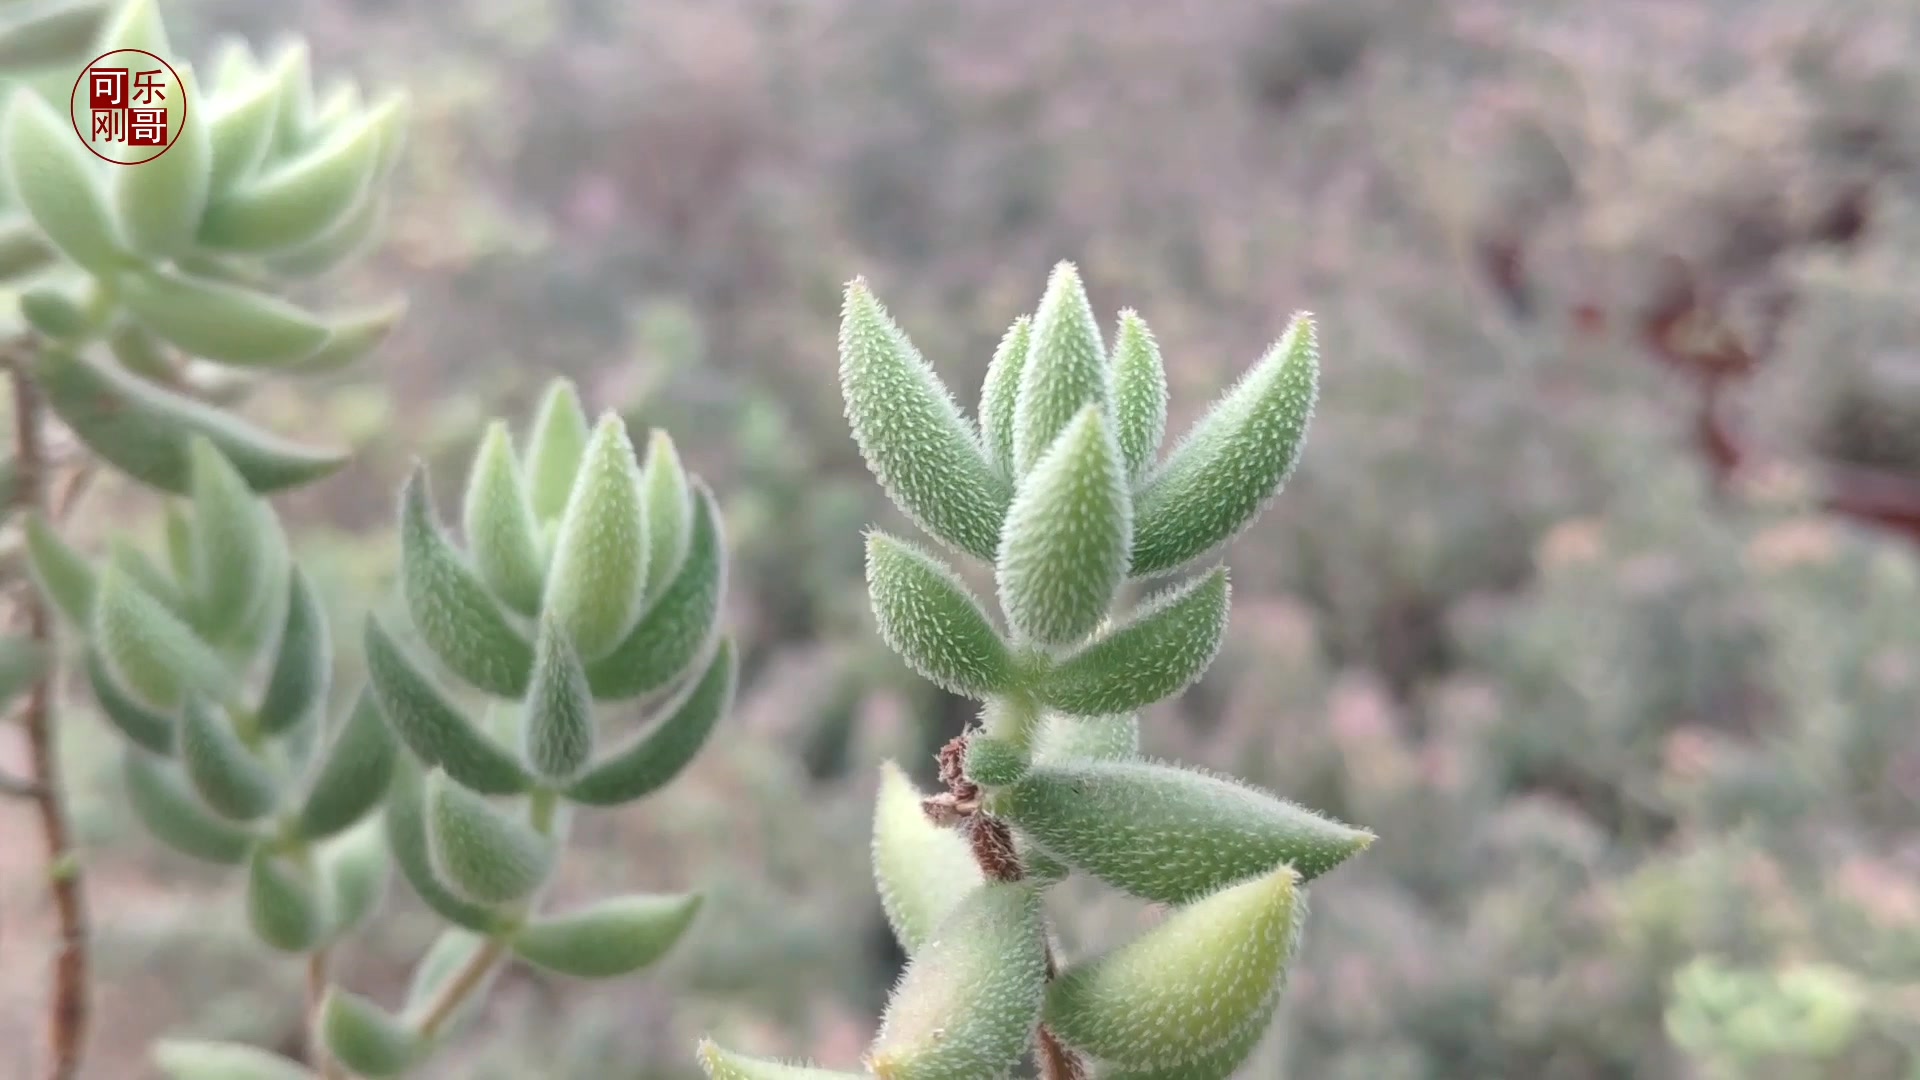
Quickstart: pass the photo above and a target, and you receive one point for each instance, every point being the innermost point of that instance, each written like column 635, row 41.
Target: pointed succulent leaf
column 354, row 774
column 149, row 650
column 1191, row 987
column 721, row 1064
column 912, row 435
column 669, row 501
column 926, row 614
column 1221, row 1064
column 1000, row 391
column 144, row 727
column 287, row 905
column 558, row 726
column 923, row 870
column 237, row 544
column 62, row 29
column 486, row 855
column 607, row 939
column 1065, row 371
column 136, row 24
column 52, row 176
column 969, row 999
column 166, row 805
column 358, row 868
column 139, row 351
column 597, row 584
column 229, row 777
column 162, row 586
column 1063, row 554
column 1139, row 393
column 555, row 449
column 239, row 128
column 222, row 322
column 302, row 675
column 50, row 310
column 292, row 70
column 501, row 531
column 1063, row 738
column 433, row 727
column 205, row 1059
column 23, row 251
column 366, row 1038
column 159, row 203
column 63, row 574
column 993, row 761
column 1160, row 650
column 351, row 336
column 143, row 430
column 450, row 606
column 1168, row 834
column 1236, row 457
column 406, row 828
column 680, row 626
column 293, row 202
column 658, row 754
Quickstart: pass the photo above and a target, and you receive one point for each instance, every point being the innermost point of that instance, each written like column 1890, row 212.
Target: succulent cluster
column 1061, row 487
column 148, row 306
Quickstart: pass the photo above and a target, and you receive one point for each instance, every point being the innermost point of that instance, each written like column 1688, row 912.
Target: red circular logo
column 128, row 106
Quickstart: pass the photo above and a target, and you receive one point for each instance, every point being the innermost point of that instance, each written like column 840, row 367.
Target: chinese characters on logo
column 133, row 102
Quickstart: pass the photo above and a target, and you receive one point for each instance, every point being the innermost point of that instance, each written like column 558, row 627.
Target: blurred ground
column 1565, row 601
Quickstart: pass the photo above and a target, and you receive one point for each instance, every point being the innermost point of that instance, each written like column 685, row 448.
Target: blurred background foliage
column 1637, row 718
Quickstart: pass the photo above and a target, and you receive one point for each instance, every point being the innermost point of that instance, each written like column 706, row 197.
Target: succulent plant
column 1060, row 485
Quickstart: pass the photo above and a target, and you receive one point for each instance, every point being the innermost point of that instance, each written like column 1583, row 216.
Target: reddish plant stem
column 68, row 1006
column 992, row 843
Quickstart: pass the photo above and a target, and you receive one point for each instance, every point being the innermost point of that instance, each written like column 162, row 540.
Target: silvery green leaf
column 288, row 906
column 433, row 727
column 302, row 675
column 922, row 870
column 406, row 829
column 658, row 753
column 554, row 450
column 1063, row 552
column 722, row 1064
column 230, row 778
column 354, row 773
column 486, row 854
column 1237, row 457
column 166, row 805
column 927, row 615
column 925, row 454
column 558, row 729
column 1139, row 393
column 366, row 1038
column 456, row 616
column 1000, row 391
column 1161, row 649
column 1065, row 369
column 680, row 625
column 502, row 533
column 607, row 939
column 670, row 507
column 597, row 583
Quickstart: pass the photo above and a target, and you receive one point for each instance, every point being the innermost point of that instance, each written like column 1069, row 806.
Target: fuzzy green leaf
column 1191, row 987
column 658, row 754
column 1065, row 370
column 1236, row 458
column 64, row 576
column 722, row 1064
column 136, row 24
column 406, row 828
column 912, row 435
column 1160, row 650
column 558, row 726
column 354, row 774
column 23, row 251
column 149, row 650
column 1139, row 393
column 597, row 583
column 53, row 177
column 302, row 675
column 680, row 626
column 144, row 727
column 159, row 202
column 143, row 430
column 433, row 727
column 158, row 583
column 1169, row 834
column 993, row 761
column 351, row 336
column 966, row 1007
column 204, row 1059
column 926, row 614
column 218, row 321
column 229, row 777
column 366, row 1038
column 1000, row 391
column 922, row 870
column 287, row 905
column 555, row 449
column 1061, row 739
column 669, row 501
column 166, row 805
column 293, row 203
column 502, row 534
column 55, row 314
column 450, row 606
column 239, row 128
column 358, row 867
column 1063, row 554
column 237, row 544
column 488, row 856
column 607, row 939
